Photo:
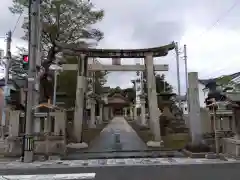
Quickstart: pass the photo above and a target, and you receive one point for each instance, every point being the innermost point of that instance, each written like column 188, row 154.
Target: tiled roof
column 235, row 77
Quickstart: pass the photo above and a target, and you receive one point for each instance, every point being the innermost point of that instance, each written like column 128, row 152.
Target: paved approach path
column 104, row 146
column 129, row 140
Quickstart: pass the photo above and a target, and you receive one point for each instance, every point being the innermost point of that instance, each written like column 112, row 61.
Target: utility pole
column 39, row 57
column 8, row 64
column 33, row 50
column 186, row 74
column 178, row 73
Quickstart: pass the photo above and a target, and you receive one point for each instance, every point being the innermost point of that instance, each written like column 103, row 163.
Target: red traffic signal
column 25, row 58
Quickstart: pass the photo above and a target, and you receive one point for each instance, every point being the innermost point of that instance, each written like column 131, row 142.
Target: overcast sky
column 212, row 51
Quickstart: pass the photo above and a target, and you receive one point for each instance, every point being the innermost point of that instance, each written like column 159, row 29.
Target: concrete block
column 54, row 158
column 82, row 145
column 211, row 156
column 155, row 144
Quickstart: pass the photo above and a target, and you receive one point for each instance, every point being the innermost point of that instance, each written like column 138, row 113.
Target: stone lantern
column 164, row 104
column 235, row 99
column 143, row 109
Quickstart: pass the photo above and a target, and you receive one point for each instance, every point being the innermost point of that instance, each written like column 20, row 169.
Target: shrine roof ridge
column 118, row 53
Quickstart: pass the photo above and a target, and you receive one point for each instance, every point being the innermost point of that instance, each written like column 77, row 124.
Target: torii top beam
column 72, row 50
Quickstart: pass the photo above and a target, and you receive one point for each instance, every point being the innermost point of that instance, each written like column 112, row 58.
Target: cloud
column 152, row 33
column 9, row 20
column 212, row 47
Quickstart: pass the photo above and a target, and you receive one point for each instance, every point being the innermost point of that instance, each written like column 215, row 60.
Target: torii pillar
column 80, row 96
column 152, row 97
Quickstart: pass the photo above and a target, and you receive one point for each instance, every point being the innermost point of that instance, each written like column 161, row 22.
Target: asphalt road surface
column 138, row 169
column 150, row 172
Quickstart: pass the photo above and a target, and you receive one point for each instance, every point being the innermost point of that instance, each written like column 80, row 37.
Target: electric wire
column 17, row 22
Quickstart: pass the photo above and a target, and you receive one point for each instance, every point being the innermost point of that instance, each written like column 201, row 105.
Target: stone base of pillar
column 92, row 125
column 155, row 144
column 143, row 120
column 144, row 125
column 28, row 156
column 99, row 120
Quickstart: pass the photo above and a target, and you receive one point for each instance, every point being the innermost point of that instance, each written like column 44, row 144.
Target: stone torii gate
column 82, row 67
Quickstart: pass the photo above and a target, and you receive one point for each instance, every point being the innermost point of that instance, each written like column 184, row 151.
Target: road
column 169, row 170
column 128, row 168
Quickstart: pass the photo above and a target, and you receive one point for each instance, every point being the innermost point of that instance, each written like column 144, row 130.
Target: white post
column 93, row 117
column 135, row 112
column 131, row 112
column 112, row 114
column 125, row 112
column 37, row 124
column 14, row 123
column 143, row 112
column 152, row 97
column 194, row 109
column 60, row 122
column 100, row 113
column 55, row 87
column 106, row 113
column 46, row 123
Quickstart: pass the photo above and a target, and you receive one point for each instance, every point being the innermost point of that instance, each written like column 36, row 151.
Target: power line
column 19, row 17
column 221, row 17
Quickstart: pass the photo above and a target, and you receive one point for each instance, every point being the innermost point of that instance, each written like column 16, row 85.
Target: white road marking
column 49, row 176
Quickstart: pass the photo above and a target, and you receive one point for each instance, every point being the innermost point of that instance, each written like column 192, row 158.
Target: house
column 15, row 96
column 203, row 91
column 15, row 92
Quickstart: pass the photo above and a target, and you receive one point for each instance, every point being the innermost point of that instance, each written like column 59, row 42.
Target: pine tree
column 65, row 21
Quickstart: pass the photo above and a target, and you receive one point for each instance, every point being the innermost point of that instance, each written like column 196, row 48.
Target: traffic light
column 25, row 62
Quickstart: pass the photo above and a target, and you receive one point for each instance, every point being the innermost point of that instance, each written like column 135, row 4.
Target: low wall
column 231, row 147
column 42, row 145
column 50, row 145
